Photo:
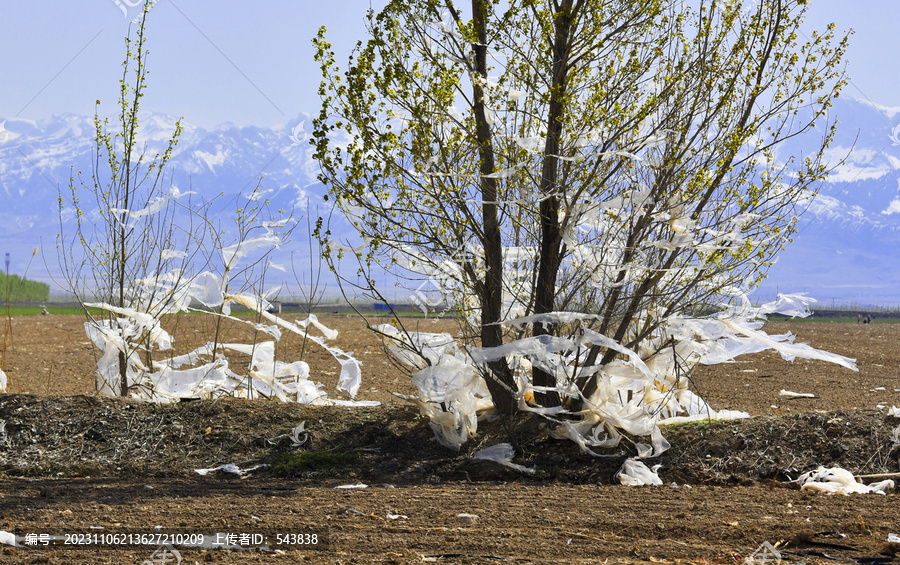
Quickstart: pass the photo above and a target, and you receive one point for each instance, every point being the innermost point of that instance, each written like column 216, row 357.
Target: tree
column 142, row 250
column 120, row 250
column 599, row 170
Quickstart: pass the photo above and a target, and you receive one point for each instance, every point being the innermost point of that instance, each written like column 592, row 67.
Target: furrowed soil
column 73, row 463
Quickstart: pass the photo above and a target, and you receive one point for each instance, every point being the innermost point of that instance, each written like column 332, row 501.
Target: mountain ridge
column 845, row 249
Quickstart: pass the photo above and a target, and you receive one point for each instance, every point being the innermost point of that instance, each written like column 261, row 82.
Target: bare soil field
column 70, row 462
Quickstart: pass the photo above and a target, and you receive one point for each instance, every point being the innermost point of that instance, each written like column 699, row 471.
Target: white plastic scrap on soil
column 840, row 481
column 230, row 468
column 637, row 393
column 503, row 454
column 635, row 473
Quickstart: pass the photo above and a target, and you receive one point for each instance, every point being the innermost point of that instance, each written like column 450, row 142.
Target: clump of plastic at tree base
column 639, row 391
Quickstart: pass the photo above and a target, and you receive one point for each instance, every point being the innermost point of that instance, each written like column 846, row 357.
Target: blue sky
column 251, row 63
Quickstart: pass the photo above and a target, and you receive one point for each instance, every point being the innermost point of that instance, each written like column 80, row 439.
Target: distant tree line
column 16, row 289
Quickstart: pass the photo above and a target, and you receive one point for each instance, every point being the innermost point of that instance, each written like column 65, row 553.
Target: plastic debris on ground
column 7, row 538
column 356, row 486
column 296, row 439
column 503, row 454
column 789, row 394
column 451, row 392
column 230, row 468
column 4, row 382
column 208, row 375
column 894, row 411
column 635, row 473
column 637, row 391
column 840, row 481
column 893, row 538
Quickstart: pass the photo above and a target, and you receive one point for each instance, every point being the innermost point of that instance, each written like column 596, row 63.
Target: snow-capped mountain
column 847, row 247
column 846, row 250
column 37, row 160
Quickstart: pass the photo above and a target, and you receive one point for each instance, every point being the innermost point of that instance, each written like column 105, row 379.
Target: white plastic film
column 635, row 473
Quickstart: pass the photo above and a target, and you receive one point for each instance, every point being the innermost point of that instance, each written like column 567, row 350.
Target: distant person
column 858, row 318
column 869, row 319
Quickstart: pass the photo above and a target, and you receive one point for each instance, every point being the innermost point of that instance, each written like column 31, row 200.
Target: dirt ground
column 70, row 462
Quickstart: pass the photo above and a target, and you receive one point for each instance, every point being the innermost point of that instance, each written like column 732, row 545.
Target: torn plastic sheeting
column 535, row 345
column 253, row 303
column 789, row 351
column 546, row 345
column 503, row 454
column 4, row 382
column 272, row 330
column 198, row 382
column 404, row 345
column 7, row 538
column 189, row 358
column 589, row 336
column 206, row 288
column 230, row 468
column 142, row 322
column 636, row 473
column 894, row 411
column 445, row 381
column 453, row 396
column 264, row 368
column 287, row 382
column 156, row 204
column 351, row 373
column 840, row 481
column 232, row 253
column 794, row 305
column 585, row 440
column 110, row 342
column 167, row 254
column 658, row 444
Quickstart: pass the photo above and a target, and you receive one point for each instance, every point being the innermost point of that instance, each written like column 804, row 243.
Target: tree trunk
column 551, row 233
column 492, row 293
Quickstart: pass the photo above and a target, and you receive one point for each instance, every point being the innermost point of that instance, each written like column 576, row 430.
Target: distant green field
column 35, row 310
